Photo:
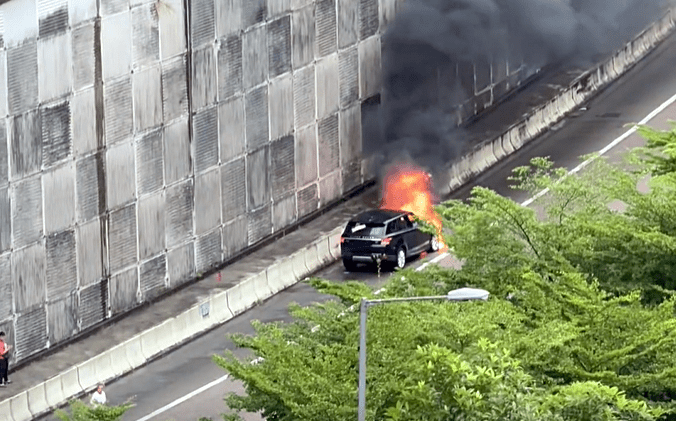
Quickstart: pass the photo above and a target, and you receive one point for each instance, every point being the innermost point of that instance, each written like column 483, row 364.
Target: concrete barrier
column 6, row 409
column 219, row 309
column 156, row 340
column 118, row 361
column 334, row 243
column 133, row 352
column 312, row 261
column 37, row 399
column 323, row 251
column 107, row 367
column 86, row 375
column 54, row 392
column 298, row 264
column 241, row 297
column 280, row 275
column 70, row 384
column 19, row 407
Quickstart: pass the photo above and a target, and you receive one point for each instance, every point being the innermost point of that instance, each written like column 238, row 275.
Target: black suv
column 383, row 235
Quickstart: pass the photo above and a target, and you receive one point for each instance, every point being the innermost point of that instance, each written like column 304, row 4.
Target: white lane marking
column 442, row 256
column 185, row 398
column 437, row 259
column 609, row 146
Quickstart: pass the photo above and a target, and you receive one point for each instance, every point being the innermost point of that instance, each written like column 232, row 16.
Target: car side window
column 401, row 224
column 392, row 227
column 408, row 223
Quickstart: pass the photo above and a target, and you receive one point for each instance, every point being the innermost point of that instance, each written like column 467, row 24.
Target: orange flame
column 408, row 188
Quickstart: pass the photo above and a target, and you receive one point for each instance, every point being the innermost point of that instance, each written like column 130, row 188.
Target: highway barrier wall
column 541, row 118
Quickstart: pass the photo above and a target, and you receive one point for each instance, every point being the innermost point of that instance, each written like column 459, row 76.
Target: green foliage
column 580, row 324
column 80, row 411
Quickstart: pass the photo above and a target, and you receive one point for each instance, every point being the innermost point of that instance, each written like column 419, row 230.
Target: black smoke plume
column 432, row 45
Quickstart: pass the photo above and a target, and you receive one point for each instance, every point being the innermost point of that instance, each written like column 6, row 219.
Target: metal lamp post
column 462, row 294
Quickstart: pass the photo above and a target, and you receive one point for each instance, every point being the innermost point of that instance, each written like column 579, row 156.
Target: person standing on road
column 4, row 360
column 99, row 396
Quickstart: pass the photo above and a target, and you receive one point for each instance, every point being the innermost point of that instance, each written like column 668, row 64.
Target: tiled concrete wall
column 142, row 143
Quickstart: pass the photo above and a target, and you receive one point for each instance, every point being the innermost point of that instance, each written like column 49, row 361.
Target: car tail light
column 385, row 241
column 342, row 240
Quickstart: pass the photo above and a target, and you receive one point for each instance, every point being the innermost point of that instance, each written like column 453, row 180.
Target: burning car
column 384, row 236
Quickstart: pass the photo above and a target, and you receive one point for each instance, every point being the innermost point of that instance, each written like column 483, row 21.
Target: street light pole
column 462, row 294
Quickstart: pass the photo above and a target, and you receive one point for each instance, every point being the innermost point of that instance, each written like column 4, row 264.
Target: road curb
column 541, row 118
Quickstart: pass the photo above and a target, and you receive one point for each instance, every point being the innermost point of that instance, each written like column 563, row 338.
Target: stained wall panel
column 325, row 24
column 61, row 265
column 4, row 155
column 89, row 254
column 205, row 132
column 22, row 73
column 306, row 156
column 233, row 189
column 3, row 80
column 304, row 96
column 27, row 211
column 6, row 295
column 82, row 11
column 253, row 12
column 62, row 319
column 116, row 36
column 145, row 35
column 181, row 264
column 26, row 144
column 231, row 127
column 260, row 224
column 368, row 18
column 235, row 236
column 88, row 183
column 280, row 93
column 179, row 213
column 172, row 28
column 122, row 238
column 303, row 36
column 229, row 17
column 120, row 175
column 176, row 151
column 202, row 22
column 279, row 44
column 174, row 88
column 350, row 146
column 150, row 158
column 147, row 98
column 278, row 7
column 151, row 232
column 5, row 219
column 52, row 17
column 152, row 277
column 284, row 212
column 348, row 22
column 93, row 304
column 57, row 143
column 254, row 56
column 308, row 200
column 369, row 67
column 123, row 290
column 387, row 13
column 204, row 79
column 208, row 251
column 348, row 74
column 282, row 167
column 230, row 67
column 257, row 130
column 111, row 7
column 330, row 188
column 83, row 121
column 207, row 201
column 258, row 178
column 55, row 78
column 31, row 332
column 28, row 277
column 329, row 152
column 328, row 88
column 118, row 109
column 59, row 198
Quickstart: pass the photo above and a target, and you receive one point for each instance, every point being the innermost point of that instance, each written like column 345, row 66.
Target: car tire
column 350, row 265
column 434, row 244
column 401, row 258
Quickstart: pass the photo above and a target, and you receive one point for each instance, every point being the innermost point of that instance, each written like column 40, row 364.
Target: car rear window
column 354, row 229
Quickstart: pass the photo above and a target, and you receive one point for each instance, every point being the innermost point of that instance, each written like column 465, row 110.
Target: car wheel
column 401, row 258
column 350, row 265
column 434, row 243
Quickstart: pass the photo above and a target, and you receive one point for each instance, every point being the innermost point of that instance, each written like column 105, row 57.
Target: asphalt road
column 173, row 388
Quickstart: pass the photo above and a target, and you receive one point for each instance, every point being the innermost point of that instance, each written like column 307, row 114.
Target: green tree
column 80, row 411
